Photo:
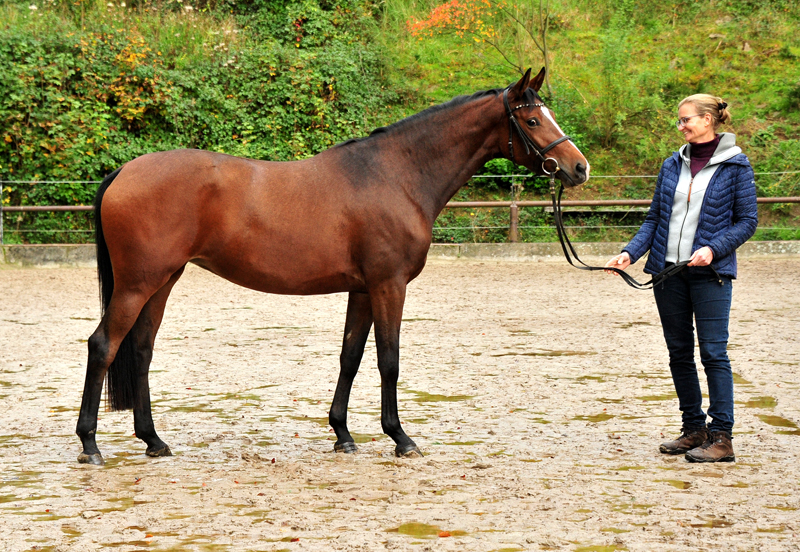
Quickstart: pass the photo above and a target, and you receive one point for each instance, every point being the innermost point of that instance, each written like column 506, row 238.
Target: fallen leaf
column 444, row 534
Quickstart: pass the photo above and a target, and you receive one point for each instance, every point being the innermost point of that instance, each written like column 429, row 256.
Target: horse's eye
column 532, row 122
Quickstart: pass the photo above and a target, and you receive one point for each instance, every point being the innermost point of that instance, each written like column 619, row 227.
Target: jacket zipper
column 685, row 216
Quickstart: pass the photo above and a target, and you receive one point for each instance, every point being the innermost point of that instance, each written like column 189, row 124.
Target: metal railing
column 512, row 205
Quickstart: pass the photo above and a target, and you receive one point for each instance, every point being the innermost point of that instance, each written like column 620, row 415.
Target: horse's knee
column 350, row 360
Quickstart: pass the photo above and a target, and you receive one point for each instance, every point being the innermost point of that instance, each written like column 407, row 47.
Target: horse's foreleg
column 356, row 331
column 103, row 345
column 387, row 308
column 144, row 332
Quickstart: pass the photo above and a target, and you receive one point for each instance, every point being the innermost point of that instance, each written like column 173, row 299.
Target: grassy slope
column 670, row 54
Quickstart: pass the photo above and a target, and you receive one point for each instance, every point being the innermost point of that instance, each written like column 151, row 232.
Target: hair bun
column 722, row 105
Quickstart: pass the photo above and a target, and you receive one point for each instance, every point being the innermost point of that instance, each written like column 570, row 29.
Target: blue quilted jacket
column 728, row 217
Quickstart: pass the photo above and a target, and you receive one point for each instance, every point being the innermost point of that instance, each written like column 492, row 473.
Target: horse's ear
column 522, row 85
column 537, row 81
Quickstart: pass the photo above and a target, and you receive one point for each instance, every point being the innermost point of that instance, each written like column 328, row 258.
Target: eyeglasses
column 683, row 120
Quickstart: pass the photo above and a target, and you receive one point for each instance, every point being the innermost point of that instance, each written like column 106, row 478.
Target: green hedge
column 85, row 87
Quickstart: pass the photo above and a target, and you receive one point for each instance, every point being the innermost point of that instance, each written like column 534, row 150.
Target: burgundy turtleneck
column 701, row 154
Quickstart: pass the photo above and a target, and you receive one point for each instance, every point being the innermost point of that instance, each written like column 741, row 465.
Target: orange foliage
column 134, row 94
column 464, row 17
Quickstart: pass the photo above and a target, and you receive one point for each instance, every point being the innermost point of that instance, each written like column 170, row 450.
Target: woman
column 704, row 207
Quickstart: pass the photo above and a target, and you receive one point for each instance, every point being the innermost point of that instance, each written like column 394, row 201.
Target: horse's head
column 535, row 139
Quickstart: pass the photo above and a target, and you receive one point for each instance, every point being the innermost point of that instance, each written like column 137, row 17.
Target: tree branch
column 523, row 25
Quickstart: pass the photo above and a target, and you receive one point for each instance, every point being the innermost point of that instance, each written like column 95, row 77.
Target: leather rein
column 566, row 245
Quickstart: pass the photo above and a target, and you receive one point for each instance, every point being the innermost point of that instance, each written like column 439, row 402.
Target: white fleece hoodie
column 688, row 200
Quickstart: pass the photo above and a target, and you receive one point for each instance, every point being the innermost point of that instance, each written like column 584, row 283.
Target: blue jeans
column 680, row 299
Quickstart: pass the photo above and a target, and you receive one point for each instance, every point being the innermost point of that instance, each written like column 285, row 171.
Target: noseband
column 513, row 124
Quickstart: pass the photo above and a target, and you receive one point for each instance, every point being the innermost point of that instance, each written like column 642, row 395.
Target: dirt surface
column 538, row 393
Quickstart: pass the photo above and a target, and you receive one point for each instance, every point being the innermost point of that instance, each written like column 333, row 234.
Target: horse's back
column 283, row 227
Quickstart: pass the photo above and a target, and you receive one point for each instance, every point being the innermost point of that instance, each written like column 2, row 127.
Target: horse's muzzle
column 576, row 176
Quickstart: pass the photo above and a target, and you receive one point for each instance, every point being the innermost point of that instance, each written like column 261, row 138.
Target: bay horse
column 356, row 218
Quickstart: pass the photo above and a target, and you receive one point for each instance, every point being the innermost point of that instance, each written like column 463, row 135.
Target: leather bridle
column 566, row 245
column 513, row 124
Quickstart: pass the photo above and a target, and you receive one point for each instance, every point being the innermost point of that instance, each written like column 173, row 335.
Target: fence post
column 513, row 231
column 513, row 226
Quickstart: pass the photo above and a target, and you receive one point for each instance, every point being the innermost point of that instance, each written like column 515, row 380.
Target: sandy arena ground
column 538, row 393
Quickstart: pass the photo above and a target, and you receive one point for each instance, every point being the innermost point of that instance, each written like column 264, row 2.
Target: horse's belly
column 285, row 276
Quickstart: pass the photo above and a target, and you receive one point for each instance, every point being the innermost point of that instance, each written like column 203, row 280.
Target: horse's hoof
column 408, row 451
column 95, row 459
column 346, row 447
column 164, row 451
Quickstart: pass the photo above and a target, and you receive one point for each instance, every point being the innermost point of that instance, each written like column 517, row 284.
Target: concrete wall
column 48, row 255
column 84, row 255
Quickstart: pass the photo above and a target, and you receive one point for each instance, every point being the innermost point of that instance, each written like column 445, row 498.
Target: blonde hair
column 714, row 106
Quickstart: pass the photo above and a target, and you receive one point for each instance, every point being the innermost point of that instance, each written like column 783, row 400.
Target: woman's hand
column 621, row 261
column 702, row 257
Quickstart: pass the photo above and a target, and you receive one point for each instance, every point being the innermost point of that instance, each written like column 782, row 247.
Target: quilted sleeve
column 643, row 239
column 745, row 215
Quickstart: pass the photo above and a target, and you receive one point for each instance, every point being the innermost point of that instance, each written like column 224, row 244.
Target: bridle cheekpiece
column 513, row 124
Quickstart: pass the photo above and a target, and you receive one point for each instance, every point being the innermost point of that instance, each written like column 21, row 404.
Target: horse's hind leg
column 144, row 335
column 356, row 331
column 104, row 343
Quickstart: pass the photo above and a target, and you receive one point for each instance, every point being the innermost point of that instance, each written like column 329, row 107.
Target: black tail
column 121, row 376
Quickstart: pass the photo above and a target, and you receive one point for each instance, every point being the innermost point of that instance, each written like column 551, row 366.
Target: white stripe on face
column 552, row 120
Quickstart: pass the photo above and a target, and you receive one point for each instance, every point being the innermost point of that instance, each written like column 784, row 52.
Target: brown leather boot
column 690, row 438
column 718, row 448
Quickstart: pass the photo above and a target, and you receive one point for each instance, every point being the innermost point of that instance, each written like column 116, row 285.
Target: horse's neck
column 443, row 152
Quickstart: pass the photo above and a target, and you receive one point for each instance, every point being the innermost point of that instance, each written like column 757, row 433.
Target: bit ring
column 553, row 171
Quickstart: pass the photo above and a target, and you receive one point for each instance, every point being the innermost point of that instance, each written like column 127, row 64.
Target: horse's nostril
column 580, row 169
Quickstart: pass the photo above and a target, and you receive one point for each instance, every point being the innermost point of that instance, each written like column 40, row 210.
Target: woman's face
column 697, row 128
